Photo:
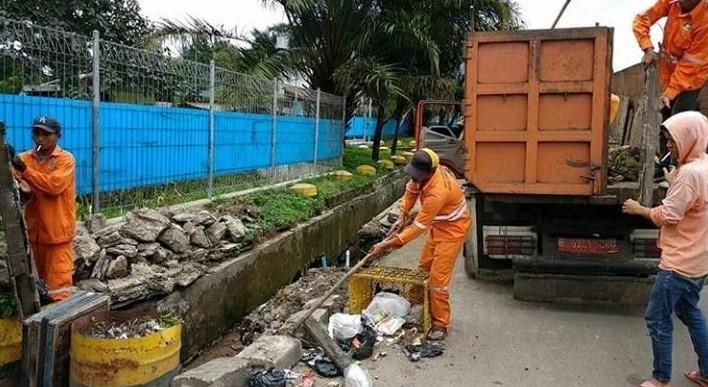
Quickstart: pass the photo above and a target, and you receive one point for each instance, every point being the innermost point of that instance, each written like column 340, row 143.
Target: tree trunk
column 394, row 146
column 378, row 133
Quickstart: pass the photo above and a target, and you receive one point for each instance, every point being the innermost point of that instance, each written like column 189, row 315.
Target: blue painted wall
column 360, row 127
column 151, row 145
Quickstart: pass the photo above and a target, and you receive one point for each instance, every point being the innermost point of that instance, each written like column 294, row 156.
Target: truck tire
column 470, row 250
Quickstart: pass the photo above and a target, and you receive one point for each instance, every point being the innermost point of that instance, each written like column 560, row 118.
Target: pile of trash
column 127, row 329
column 624, row 164
column 354, row 376
column 270, row 318
column 153, row 252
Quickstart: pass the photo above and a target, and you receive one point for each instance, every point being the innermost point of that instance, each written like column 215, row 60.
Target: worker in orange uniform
column 49, row 172
column 683, row 60
column 444, row 214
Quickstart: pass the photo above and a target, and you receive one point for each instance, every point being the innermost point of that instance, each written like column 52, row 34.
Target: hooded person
column 683, row 219
column 444, row 215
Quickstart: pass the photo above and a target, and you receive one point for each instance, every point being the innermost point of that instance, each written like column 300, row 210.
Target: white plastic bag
column 355, row 376
column 344, row 326
column 390, row 325
column 387, row 304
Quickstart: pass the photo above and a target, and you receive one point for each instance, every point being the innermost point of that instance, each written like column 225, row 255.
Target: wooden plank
column 57, row 338
column 617, row 129
column 331, row 349
column 19, row 261
column 628, row 126
column 635, row 134
column 650, row 136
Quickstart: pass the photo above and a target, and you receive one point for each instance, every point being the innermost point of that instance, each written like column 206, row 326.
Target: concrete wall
column 220, row 299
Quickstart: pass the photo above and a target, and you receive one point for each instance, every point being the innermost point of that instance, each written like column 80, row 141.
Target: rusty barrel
column 151, row 360
column 10, row 351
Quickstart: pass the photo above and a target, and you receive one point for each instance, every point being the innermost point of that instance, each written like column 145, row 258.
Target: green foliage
column 8, row 306
column 169, row 319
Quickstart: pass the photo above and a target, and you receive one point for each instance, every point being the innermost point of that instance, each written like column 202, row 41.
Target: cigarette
column 39, row 148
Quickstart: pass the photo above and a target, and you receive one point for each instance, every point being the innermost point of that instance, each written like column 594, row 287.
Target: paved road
column 498, row 341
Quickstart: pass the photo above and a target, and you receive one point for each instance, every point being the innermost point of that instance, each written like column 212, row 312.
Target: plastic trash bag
column 355, row 376
column 326, row 368
column 269, row 378
column 387, row 304
column 390, row 325
column 415, row 316
column 344, row 326
column 426, row 349
column 367, row 341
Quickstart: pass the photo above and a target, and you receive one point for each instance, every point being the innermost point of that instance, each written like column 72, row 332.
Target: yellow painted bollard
column 384, row 149
column 366, row 170
column 385, row 165
column 342, row 175
column 303, row 189
column 413, row 143
column 152, row 360
column 399, row 160
column 408, row 155
column 10, row 351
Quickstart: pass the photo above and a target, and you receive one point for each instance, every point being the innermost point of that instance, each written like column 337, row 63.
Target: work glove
column 18, row 164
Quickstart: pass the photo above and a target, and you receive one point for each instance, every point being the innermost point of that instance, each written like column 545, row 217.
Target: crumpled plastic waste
column 426, row 349
column 367, row 340
column 355, row 376
column 390, row 325
column 387, row 304
column 268, row 378
column 344, row 326
column 326, row 368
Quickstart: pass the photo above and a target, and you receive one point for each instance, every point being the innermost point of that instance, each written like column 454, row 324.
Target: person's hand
column 18, row 164
column 632, row 207
column 24, row 186
column 665, row 103
column 670, row 175
column 397, row 226
column 649, row 58
column 379, row 249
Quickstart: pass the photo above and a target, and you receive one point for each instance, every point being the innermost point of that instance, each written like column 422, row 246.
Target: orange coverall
column 444, row 213
column 683, row 63
column 51, row 218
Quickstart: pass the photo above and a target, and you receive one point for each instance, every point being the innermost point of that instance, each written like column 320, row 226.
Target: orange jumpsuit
column 444, row 213
column 51, row 218
column 683, row 64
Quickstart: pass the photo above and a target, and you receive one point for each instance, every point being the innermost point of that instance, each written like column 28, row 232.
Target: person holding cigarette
column 48, row 175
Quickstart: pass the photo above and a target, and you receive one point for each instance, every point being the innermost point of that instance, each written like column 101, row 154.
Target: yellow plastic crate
column 410, row 284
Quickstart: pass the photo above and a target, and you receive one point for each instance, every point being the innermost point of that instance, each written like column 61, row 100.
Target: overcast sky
column 249, row 14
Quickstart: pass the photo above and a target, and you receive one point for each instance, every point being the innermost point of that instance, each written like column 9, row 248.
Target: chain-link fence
column 148, row 129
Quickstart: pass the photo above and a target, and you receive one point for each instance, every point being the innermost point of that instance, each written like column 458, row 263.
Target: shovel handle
column 324, row 298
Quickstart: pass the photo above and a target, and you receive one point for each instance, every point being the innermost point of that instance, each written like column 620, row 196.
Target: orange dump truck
column 536, row 118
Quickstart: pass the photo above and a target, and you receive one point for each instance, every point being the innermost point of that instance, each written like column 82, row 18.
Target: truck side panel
column 536, row 111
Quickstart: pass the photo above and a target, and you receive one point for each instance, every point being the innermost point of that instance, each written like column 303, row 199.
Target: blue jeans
column 675, row 293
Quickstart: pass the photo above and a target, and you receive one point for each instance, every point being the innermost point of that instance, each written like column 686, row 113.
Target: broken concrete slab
column 235, row 227
column 204, row 218
column 110, row 239
column 162, row 255
column 175, row 239
column 280, row 352
column 220, row 372
column 184, row 217
column 145, row 225
column 117, row 268
column 199, row 238
column 216, row 233
column 321, row 316
column 126, row 250
column 86, row 248
column 95, row 222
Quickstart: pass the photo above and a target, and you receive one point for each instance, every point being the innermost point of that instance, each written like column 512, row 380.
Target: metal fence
column 147, row 128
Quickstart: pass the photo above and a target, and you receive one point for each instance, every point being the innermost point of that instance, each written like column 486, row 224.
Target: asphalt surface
column 498, row 341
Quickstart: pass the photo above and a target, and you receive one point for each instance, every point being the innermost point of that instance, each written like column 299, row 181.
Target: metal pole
column 562, row 11
column 274, row 125
column 96, row 129
column 317, row 124
column 212, row 82
column 367, row 123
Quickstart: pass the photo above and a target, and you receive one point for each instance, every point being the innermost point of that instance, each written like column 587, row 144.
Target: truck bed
column 617, row 193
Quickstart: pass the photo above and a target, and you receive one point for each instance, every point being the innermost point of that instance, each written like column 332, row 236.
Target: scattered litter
column 334, row 384
column 386, row 304
column 306, row 380
column 378, row 356
column 426, row 349
column 269, row 378
column 121, row 330
column 355, row 376
column 344, row 326
column 365, row 348
column 390, row 325
column 415, row 316
column 326, row 368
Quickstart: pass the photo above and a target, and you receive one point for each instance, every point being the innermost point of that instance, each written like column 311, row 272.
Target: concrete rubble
column 152, row 252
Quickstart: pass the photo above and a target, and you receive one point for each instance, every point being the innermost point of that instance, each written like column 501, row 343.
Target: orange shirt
column 683, row 65
column 443, row 209
column 50, row 212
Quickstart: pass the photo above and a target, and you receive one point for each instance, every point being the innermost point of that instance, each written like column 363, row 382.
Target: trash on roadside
column 310, row 355
column 378, row 356
column 387, row 304
column 268, row 378
column 344, row 326
column 390, row 325
column 426, row 349
column 355, row 376
column 365, row 348
column 326, row 368
column 415, row 315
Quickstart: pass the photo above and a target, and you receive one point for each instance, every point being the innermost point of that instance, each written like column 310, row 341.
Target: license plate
column 587, row 246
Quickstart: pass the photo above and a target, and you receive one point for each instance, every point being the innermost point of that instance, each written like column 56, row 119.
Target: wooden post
column 331, row 349
column 651, row 121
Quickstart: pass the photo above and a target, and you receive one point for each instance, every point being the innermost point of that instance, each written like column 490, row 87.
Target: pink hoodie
column 683, row 215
